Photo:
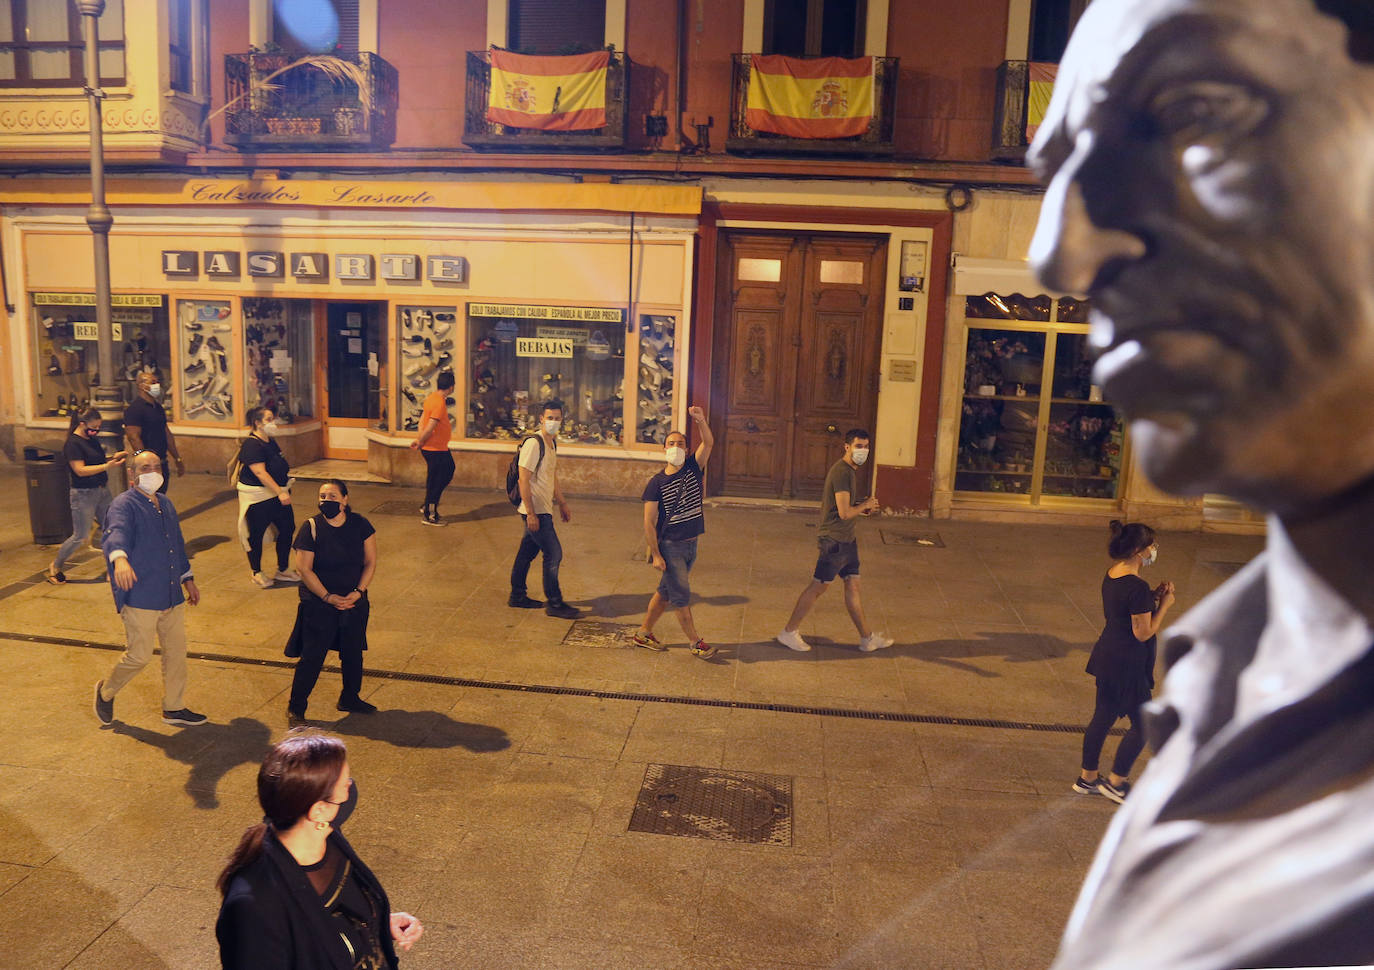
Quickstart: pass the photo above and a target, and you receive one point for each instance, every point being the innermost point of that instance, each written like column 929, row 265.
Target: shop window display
column 66, row 347
column 515, row 364
column 426, row 341
column 206, row 380
column 997, row 435
column 277, row 337
column 1084, row 435
column 657, row 344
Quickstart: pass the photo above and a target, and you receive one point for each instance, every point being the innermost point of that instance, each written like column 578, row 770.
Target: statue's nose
column 1069, row 250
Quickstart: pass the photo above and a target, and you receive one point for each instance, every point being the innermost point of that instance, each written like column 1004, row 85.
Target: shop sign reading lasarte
column 271, row 264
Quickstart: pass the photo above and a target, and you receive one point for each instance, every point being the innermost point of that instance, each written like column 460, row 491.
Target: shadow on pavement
column 202, row 544
column 634, row 604
column 492, row 510
column 422, row 729
column 212, row 750
column 1008, row 647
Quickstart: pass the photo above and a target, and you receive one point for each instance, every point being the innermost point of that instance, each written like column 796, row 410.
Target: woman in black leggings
column 1123, row 659
column 263, row 481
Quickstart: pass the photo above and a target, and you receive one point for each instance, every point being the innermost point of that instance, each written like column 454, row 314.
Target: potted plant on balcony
column 307, row 119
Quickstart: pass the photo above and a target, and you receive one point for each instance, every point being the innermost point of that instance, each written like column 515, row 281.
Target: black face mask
column 330, row 508
column 347, row 806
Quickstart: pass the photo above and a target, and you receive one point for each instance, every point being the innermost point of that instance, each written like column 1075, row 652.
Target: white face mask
column 270, row 428
column 552, row 425
column 155, row 390
column 150, row 482
column 1149, row 559
column 677, row 456
column 860, row 455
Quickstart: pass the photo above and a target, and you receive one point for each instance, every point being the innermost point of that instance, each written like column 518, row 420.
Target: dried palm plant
column 336, row 69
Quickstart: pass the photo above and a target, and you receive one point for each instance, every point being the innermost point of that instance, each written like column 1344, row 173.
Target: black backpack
column 513, row 469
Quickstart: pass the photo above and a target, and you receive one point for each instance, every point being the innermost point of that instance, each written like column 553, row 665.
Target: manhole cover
column 709, row 803
column 397, row 507
column 598, row 633
column 891, row 538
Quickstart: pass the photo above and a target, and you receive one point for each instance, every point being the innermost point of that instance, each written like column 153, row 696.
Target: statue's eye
column 1208, row 111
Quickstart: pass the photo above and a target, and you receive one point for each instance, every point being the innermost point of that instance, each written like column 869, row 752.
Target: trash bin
column 50, row 510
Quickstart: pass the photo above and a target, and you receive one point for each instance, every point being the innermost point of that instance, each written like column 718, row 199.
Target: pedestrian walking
column 839, row 550
column 436, row 430
column 264, row 490
column 89, row 493
column 150, row 576
column 539, row 494
column 295, row 894
column 1123, row 658
column 336, row 554
column 145, row 426
column 673, row 519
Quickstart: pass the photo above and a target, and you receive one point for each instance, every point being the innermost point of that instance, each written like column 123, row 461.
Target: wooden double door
column 795, row 363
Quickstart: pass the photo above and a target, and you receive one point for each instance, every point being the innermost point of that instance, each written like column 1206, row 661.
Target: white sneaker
column 261, row 580
column 288, row 576
column 875, row 641
column 792, row 640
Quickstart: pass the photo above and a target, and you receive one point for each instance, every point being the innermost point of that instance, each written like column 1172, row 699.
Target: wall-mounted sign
column 221, row 264
column 88, row 299
column 575, row 334
column 91, row 331
column 272, row 264
column 524, row 311
column 902, row 371
column 542, row 347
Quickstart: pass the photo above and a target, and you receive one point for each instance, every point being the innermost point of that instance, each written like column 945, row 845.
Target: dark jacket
column 272, row 917
column 149, row 533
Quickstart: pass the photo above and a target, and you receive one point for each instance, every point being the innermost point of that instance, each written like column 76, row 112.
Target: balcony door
column 814, row 28
column 798, row 337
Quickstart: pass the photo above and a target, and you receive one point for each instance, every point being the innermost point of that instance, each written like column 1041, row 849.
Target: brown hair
column 1128, row 538
column 300, row 770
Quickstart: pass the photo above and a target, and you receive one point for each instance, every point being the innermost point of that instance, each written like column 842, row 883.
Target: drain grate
column 598, row 633
column 396, row 507
column 892, row 538
column 708, row 803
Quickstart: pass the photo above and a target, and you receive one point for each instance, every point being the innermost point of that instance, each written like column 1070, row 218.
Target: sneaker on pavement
column 295, row 718
column 185, row 717
column 104, row 709
column 523, row 602
column 703, row 650
column 875, row 641
column 287, row 576
column 648, row 641
column 1116, row 793
column 1082, row 786
column 435, row 519
column 356, row 705
column 792, row 640
column 563, row 611
column 261, row 581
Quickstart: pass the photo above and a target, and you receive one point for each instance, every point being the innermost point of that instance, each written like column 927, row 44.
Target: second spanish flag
column 820, row 97
column 548, row 93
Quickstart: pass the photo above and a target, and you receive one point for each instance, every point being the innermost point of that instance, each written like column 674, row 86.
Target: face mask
column 270, row 428
column 90, row 432
column 330, row 508
column 551, row 426
column 1150, row 559
column 155, row 390
column 150, row 482
column 676, row 456
column 860, row 455
column 346, row 809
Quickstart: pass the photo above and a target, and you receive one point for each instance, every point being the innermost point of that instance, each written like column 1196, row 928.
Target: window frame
column 74, row 44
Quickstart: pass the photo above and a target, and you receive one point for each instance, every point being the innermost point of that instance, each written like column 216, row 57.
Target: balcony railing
column 340, row 102
column 877, row 140
column 484, row 135
column 1009, row 142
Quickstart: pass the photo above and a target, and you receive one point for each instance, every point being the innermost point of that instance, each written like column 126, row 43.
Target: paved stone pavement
column 943, row 837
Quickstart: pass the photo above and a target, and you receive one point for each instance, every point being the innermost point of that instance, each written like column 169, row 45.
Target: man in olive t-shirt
column 839, row 551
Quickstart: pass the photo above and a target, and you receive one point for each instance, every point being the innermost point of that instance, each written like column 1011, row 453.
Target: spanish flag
column 548, row 93
column 821, row 97
column 1038, row 97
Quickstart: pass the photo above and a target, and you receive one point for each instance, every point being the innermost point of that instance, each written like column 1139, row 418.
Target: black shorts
column 837, row 559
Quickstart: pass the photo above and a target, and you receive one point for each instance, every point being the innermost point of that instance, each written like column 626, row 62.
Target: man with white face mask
column 145, row 425
column 673, row 519
column 839, row 550
column 539, row 494
column 150, row 575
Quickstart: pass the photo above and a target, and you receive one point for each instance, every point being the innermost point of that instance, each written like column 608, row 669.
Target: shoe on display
column 417, row 368
column 875, row 641
column 420, row 382
column 445, row 316
column 217, row 408
column 445, row 359
column 429, row 348
column 222, row 328
column 223, row 362
column 405, row 319
column 411, row 351
column 194, row 347
column 410, row 396
column 193, row 326
column 184, row 717
column 444, row 344
column 221, row 313
column 442, row 328
column 792, row 640
column 196, row 408
column 214, row 344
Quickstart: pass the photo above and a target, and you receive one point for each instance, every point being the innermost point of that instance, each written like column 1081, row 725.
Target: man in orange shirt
column 436, row 428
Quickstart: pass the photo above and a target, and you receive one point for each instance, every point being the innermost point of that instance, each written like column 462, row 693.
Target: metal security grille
column 709, row 803
column 598, row 633
column 894, row 538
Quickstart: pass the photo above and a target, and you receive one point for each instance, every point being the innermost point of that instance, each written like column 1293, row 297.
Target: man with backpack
column 535, row 470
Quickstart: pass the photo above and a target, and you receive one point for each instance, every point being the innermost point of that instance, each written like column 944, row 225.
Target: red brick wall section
column 713, row 34
column 950, row 51
column 427, row 42
column 651, row 38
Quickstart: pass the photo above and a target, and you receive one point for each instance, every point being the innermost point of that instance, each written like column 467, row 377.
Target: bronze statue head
column 1210, row 185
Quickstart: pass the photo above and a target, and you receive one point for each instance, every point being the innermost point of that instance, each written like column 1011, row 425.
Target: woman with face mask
column 1123, row 659
column 89, row 493
column 337, row 555
column 295, row 894
column 265, row 499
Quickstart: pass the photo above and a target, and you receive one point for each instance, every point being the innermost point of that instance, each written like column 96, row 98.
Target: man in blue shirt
column 148, row 572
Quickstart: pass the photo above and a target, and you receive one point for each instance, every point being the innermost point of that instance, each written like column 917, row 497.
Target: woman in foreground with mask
column 265, row 498
column 336, row 554
column 295, row 894
column 1123, row 659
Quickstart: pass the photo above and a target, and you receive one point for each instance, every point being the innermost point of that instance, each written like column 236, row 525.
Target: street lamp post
column 108, row 399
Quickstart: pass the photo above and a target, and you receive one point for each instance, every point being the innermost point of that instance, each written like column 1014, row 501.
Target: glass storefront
column 205, row 362
column 1033, row 425
column 425, row 336
column 278, row 340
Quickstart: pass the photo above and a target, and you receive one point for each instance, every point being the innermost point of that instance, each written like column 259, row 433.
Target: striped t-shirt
column 679, row 502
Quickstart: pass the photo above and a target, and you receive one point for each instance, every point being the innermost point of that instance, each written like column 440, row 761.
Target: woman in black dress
column 295, row 894
column 1123, row 659
column 336, row 554
column 265, row 493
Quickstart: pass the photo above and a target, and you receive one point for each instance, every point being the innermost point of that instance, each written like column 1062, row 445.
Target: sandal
column 55, row 577
column 648, row 641
column 703, row 650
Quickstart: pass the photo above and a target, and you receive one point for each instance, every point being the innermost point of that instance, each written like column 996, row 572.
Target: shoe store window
column 205, row 361
column 66, row 347
column 278, row 341
column 426, row 341
column 1033, row 428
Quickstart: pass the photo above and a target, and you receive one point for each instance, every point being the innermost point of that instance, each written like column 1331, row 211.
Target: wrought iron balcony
column 484, row 135
column 335, row 102
column 1009, row 119
column 877, row 140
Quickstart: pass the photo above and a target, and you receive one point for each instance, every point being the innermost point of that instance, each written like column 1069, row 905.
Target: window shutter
column 555, row 26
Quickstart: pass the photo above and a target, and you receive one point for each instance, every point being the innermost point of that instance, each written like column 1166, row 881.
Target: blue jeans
column 531, row 545
column 88, row 505
column 678, row 558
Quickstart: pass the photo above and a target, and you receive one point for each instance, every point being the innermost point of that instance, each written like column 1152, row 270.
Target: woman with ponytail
column 89, row 493
column 1123, row 659
column 296, row 895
